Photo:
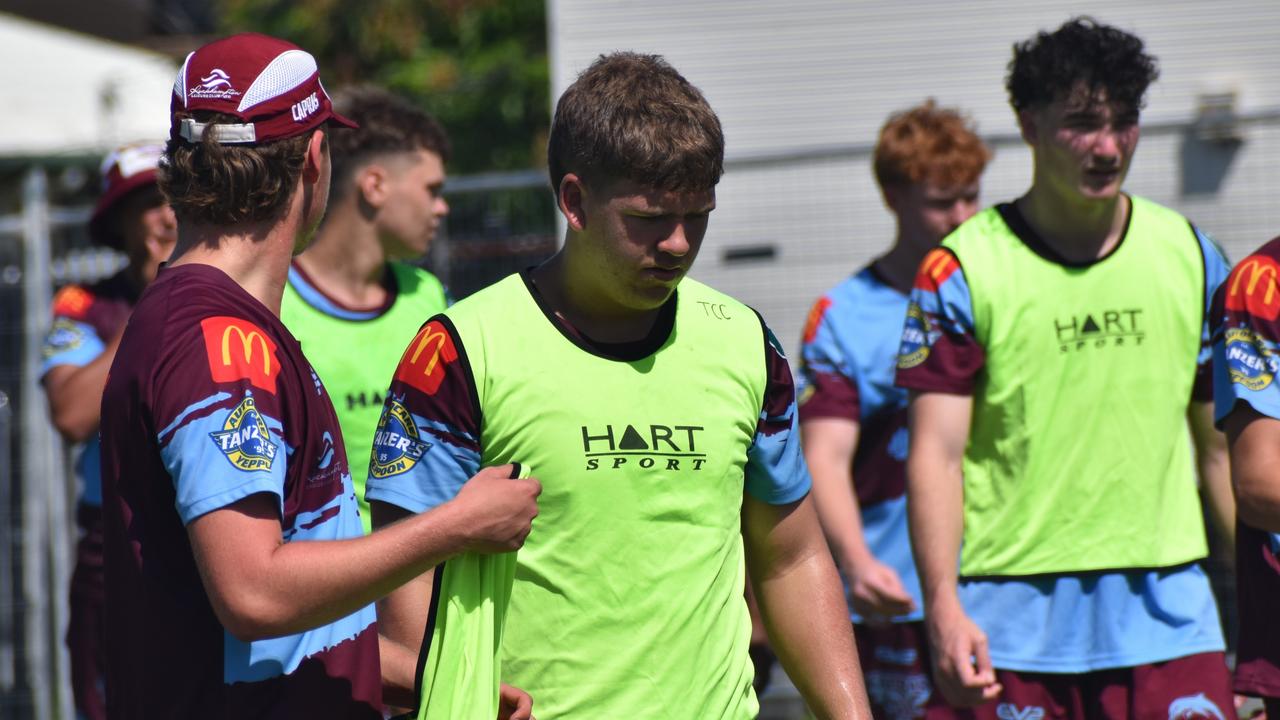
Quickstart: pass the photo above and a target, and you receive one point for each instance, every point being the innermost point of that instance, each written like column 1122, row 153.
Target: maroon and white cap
column 270, row 84
column 126, row 169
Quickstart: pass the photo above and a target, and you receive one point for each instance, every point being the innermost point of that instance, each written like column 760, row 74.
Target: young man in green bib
column 352, row 300
column 662, row 424
column 1056, row 350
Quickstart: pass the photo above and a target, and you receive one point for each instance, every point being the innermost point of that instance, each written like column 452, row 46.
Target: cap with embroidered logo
column 271, row 85
column 126, row 169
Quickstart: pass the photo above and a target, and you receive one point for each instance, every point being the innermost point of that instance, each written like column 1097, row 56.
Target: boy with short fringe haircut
column 663, row 418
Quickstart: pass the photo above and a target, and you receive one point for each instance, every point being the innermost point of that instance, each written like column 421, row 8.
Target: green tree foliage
column 479, row 66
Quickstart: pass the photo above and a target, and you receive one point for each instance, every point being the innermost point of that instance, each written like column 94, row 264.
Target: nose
column 677, row 242
column 1106, row 142
column 442, row 206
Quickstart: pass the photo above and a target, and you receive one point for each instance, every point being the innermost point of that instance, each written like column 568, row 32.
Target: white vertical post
column 46, row 554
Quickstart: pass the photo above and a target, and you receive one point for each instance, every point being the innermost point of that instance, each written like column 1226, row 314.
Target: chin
column 1108, row 192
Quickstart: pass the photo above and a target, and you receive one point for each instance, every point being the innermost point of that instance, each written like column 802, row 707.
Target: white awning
column 62, row 92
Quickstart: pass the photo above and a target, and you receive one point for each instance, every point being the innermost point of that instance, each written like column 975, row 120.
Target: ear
column 316, row 158
column 571, row 197
column 1027, row 126
column 372, row 182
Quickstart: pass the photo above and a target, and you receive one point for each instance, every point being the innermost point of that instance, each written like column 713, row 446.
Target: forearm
column 296, row 586
column 839, row 514
column 936, row 522
column 805, row 615
column 935, row 495
column 399, row 666
column 829, row 447
column 803, row 607
column 1215, row 479
column 1214, row 465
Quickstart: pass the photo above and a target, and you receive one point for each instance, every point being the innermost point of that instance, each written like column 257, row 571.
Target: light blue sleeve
column 418, row 463
column 220, row 450
column 70, row 342
column 776, row 472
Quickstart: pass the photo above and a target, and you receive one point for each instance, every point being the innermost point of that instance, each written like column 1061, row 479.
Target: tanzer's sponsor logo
column 1249, row 361
column 648, row 447
column 918, row 335
column 396, row 444
column 244, row 438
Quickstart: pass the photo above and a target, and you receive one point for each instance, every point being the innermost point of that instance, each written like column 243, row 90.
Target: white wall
column 823, row 75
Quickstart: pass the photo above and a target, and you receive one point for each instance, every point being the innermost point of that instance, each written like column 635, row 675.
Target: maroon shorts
column 1195, row 687
column 1257, row 598
column 895, row 666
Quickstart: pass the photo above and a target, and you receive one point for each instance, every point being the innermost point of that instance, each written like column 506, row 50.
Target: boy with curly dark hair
column 1056, row 350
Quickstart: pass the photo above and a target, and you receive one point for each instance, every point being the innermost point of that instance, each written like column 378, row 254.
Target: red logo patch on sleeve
column 936, row 267
column 815, row 319
column 1252, row 287
column 240, row 350
column 424, row 361
column 72, row 301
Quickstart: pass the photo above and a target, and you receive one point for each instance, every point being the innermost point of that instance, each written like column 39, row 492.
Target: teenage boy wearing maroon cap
column 132, row 217
column 238, row 581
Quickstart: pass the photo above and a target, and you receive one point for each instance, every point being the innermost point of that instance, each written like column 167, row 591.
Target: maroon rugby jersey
column 210, row 400
column 1246, row 361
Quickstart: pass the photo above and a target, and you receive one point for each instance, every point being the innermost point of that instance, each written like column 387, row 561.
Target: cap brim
column 336, row 119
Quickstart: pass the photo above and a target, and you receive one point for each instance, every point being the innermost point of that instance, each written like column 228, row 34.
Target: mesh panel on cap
column 180, row 82
column 287, row 71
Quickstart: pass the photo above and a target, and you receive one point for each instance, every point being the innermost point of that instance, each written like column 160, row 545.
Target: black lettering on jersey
column 648, row 447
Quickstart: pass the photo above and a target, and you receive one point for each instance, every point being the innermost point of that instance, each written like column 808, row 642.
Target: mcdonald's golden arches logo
column 424, row 361
column 240, row 350
column 1252, row 287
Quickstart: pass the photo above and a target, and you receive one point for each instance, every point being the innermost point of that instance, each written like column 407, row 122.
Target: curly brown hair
column 631, row 116
column 211, row 183
column 929, row 144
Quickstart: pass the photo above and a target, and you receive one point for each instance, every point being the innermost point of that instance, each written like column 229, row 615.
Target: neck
column 346, row 260
column 585, row 310
column 256, row 256
column 1078, row 230
column 898, row 266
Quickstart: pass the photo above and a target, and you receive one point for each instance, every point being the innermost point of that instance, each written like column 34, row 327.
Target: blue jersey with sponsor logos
column 1066, row 622
column 85, row 320
column 1246, row 361
column 644, row 451
column 848, row 358
column 209, row 401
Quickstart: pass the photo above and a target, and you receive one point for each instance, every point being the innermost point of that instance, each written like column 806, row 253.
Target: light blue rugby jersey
column 848, row 358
